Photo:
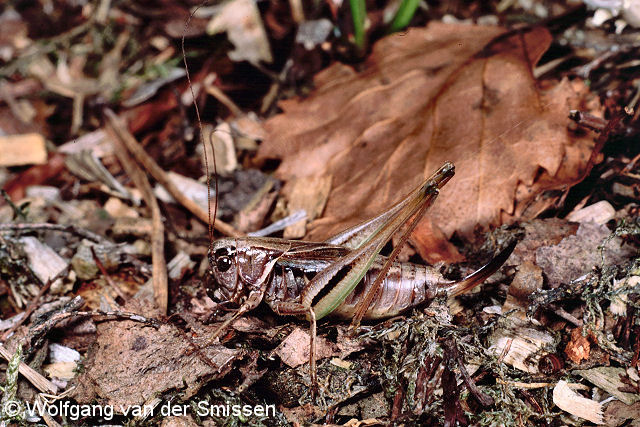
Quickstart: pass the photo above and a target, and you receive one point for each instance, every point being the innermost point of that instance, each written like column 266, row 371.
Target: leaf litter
column 366, row 135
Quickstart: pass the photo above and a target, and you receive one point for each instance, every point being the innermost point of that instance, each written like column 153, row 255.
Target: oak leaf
column 446, row 92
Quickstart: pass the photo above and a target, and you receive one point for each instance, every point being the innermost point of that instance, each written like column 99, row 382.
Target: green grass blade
column 358, row 13
column 404, row 15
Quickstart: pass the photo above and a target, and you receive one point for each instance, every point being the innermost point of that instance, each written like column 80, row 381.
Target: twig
column 505, row 350
column 30, row 308
column 35, row 378
column 484, row 399
column 16, row 210
column 281, row 224
column 297, row 11
column 53, row 227
column 222, row 97
column 48, row 419
column 607, row 132
column 568, row 316
column 104, row 272
column 152, row 167
column 125, row 143
column 69, row 311
column 523, row 385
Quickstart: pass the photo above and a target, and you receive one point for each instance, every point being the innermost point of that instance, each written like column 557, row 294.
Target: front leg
column 297, row 309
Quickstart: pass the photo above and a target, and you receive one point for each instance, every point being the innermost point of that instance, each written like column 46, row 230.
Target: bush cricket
column 345, row 276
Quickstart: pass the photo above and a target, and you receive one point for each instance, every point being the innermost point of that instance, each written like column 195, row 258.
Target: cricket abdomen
column 406, row 285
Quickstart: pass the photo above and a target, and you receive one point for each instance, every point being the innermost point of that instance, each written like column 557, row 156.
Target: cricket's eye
column 223, row 263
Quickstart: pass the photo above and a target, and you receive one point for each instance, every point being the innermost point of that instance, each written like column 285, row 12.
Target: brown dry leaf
column 448, row 92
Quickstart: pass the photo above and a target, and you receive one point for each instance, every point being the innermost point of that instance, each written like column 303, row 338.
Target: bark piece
column 131, row 363
column 527, row 280
column 44, row 261
column 616, row 413
column 600, row 213
column 538, row 233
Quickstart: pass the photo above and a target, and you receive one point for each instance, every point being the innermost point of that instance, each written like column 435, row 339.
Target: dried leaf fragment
column 241, row 20
column 294, row 349
column 579, row 348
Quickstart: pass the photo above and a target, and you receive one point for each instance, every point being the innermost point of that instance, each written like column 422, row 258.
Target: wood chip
column 61, row 370
column 571, row 402
column 26, row 149
column 116, row 209
column 341, row 363
column 608, row 379
column 619, row 301
column 192, row 189
column 527, row 341
column 241, row 20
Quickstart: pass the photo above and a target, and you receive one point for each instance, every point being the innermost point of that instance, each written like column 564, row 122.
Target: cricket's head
column 240, row 267
column 224, row 269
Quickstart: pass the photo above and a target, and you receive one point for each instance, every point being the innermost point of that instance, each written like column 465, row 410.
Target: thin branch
column 125, row 144
column 53, row 227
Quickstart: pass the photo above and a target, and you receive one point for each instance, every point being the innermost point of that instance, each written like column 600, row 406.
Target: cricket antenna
column 212, row 218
